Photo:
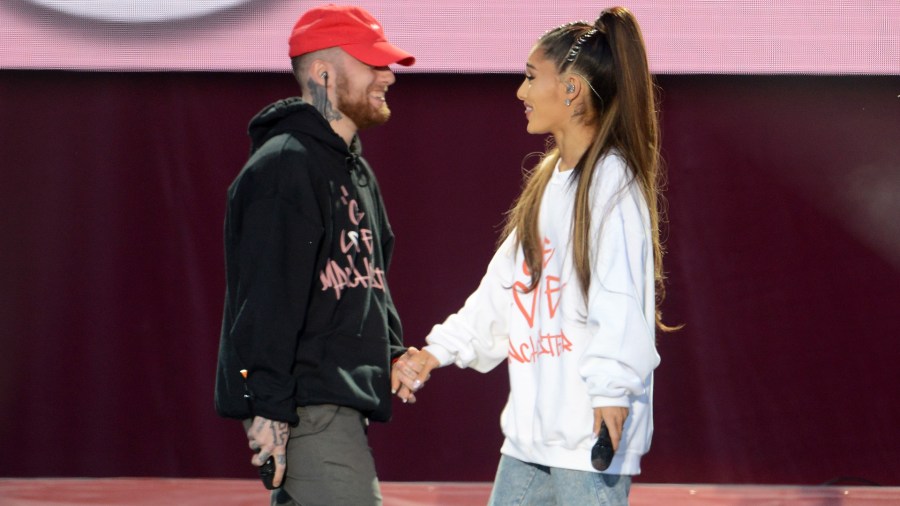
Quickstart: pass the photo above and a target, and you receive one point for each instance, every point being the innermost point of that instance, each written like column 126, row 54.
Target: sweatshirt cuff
column 276, row 413
column 444, row 356
column 598, row 401
column 272, row 400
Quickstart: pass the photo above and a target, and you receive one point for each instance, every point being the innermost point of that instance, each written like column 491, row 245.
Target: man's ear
column 320, row 72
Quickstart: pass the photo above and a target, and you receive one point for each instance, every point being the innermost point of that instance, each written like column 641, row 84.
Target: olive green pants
column 329, row 461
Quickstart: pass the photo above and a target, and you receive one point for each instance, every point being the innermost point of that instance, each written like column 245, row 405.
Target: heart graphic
column 519, row 287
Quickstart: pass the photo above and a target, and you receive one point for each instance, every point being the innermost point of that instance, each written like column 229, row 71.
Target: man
column 309, row 327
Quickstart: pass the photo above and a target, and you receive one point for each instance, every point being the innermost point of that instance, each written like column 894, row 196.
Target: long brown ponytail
column 609, row 54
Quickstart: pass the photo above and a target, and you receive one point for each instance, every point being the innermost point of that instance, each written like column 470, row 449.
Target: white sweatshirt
column 566, row 356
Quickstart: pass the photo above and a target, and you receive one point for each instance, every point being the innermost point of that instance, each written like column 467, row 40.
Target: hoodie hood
column 295, row 115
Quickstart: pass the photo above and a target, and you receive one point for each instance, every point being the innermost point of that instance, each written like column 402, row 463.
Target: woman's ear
column 572, row 89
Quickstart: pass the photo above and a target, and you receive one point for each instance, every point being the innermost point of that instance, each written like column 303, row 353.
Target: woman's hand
column 410, row 372
column 614, row 417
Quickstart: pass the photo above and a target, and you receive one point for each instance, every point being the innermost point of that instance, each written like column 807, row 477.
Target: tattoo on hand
column 321, row 103
column 280, row 432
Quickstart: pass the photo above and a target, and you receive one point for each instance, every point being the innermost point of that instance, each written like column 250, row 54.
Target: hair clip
column 576, row 47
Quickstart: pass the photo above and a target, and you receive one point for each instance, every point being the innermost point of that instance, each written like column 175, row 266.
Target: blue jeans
column 522, row 484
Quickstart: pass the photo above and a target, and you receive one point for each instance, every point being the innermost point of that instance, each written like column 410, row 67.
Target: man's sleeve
column 276, row 254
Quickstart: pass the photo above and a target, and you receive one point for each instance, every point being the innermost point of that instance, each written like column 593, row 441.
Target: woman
column 569, row 299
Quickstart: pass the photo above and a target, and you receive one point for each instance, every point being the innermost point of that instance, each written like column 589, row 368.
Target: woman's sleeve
column 621, row 301
column 477, row 336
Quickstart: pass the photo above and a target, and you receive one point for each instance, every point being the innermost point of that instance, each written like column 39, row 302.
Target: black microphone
column 267, row 473
column 602, row 452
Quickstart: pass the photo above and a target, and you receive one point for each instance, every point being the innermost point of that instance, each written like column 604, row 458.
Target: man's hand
column 269, row 438
column 410, row 372
column 614, row 416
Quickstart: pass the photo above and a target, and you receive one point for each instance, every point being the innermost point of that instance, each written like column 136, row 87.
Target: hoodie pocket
column 359, row 361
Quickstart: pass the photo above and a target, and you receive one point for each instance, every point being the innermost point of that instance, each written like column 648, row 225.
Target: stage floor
column 202, row 492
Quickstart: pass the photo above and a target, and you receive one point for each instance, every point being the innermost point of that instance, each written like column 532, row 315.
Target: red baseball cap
column 350, row 28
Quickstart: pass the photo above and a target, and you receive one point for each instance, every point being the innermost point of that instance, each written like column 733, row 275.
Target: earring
column 568, row 102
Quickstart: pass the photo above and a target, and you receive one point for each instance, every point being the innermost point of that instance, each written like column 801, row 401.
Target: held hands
column 269, row 438
column 614, row 416
column 410, row 372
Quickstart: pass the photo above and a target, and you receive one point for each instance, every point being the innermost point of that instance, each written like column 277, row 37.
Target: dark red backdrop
column 784, row 265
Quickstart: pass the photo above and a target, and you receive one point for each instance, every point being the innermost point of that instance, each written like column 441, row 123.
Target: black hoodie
column 308, row 313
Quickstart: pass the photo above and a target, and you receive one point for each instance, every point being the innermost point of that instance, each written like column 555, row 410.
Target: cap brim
column 379, row 54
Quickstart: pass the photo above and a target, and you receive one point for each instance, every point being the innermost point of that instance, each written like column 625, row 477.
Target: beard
column 359, row 109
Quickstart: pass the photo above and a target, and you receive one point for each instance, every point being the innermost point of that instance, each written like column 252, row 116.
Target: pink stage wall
column 687, row 36
column 784, row 266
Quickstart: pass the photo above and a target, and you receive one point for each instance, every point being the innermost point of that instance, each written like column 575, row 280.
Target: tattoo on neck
column 321, row 103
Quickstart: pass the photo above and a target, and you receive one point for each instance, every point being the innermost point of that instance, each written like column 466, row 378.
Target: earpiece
column 570, row 88
column 324, row 75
